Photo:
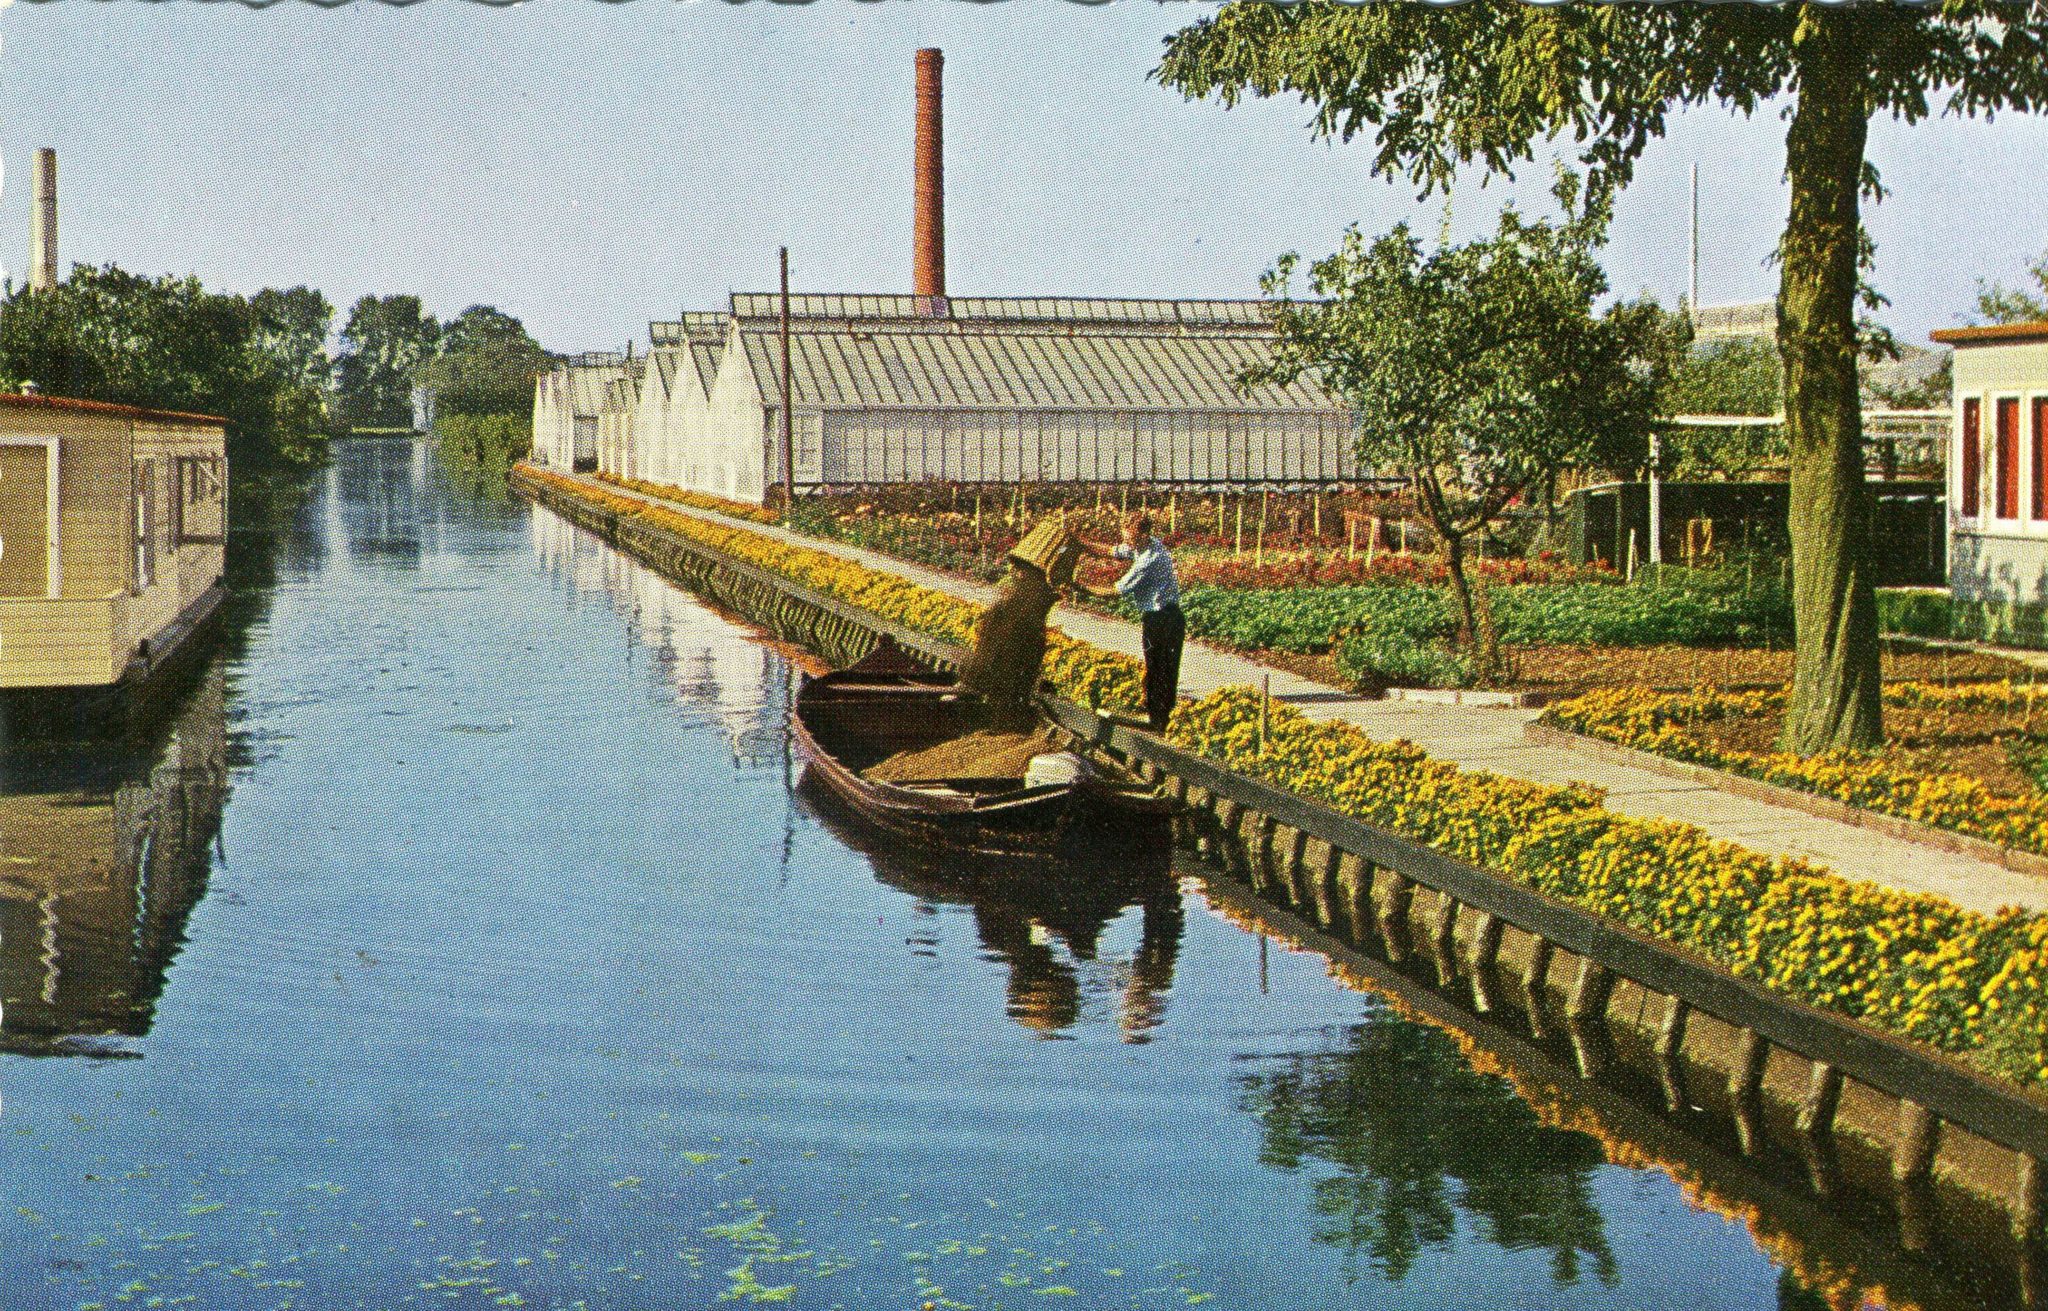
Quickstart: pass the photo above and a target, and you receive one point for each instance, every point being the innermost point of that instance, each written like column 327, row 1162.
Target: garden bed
column 1969, row 758
column 1553, row 671
column 1570, row 670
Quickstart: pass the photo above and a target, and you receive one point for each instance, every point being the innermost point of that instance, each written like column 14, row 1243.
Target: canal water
column 462, row 937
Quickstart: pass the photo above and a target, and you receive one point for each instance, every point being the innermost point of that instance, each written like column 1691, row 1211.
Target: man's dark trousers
column 1165, row 631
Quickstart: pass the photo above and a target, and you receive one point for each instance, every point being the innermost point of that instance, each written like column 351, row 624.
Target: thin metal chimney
column 928, row 264
column 42, row 224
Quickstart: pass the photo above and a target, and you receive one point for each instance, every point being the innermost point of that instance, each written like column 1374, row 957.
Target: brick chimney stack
column 928, row 264
column 42, row 223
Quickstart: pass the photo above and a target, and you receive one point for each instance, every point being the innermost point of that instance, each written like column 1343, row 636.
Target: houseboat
column 113, row 524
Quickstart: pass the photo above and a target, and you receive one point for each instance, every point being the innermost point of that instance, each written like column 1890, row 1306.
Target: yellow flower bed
column 1663, row 722
column 701, row 500
column 1914, row 964
column 1078, row 671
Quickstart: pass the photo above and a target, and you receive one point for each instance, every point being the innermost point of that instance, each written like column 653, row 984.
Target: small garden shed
column 113, row 522
column 1998, row 482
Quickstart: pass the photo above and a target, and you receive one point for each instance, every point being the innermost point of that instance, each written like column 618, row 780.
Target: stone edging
column 1465, row 696
column 1776, row 794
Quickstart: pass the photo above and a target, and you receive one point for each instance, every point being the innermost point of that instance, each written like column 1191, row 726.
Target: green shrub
column 1310, row 620
column 1918, row 611
column 1683, row 607
column 1375, row 657
column 484, row 445
column 1671, row 607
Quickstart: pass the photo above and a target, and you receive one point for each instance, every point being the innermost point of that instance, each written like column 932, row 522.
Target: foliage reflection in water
column 524, row 975
column 1403, row 1136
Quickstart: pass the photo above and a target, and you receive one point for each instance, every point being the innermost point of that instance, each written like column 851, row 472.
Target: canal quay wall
column 1950, row 1162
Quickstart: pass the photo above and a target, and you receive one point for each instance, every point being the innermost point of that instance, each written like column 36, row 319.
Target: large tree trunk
column 1835, row 677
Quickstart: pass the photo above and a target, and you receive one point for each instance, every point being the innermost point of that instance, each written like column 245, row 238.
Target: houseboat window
column 2008, row 437
column 1972, row 467
column 145, row 524
column 2041, row 457
column 196, row 500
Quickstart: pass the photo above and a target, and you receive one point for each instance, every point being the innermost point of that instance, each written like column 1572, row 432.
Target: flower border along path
column 1952, row 812
column 1915, row 965
column 1081, row 672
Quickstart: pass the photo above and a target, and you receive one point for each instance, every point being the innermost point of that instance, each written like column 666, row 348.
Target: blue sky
column 588, row 167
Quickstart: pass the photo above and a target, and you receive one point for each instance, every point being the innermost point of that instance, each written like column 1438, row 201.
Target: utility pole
column 788, row 424
column 1692, row 300
column 1655, row 485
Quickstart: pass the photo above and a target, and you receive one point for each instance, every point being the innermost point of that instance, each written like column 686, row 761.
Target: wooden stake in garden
column 1238, row 551
column 1372, row 540
column 1173, row 514
column 1259, row 551
column 1219, row 516
column 1316, row 517
column 1350, row 538
column 1265, row 708
column 1945, row 702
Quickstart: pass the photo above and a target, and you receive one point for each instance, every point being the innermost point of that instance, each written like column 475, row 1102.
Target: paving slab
column 1491, row 737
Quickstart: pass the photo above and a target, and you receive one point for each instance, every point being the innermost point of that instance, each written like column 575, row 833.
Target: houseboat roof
column 23, row 401
column 1990, row 333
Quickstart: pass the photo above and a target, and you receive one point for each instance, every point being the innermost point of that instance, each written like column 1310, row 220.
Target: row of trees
column 262, row 362
column 394, row 353
column 169, row 343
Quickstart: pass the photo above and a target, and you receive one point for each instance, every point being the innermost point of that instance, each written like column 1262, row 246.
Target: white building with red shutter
column 1998, row 482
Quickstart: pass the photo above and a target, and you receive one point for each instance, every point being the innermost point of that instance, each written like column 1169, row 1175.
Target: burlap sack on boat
column 988, row 754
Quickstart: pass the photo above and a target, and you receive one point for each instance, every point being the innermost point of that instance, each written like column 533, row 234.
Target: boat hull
column 847, row 721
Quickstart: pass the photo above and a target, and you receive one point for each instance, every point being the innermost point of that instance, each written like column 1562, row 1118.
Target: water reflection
column 386, row 513
column 104, row 850
column 709, row 666
column 1046, row 924
column 1406, row 1137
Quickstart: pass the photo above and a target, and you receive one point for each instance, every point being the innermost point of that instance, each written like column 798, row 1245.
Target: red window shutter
column 2041, row 457
column 2008, row 414
column 1972, row 469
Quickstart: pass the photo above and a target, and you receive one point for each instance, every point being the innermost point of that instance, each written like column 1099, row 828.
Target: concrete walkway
column 1491, row 738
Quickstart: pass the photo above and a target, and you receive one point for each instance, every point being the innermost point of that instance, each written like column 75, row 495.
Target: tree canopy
column 1477, row 371
column 385, row 346
column 1491, row 82
column 486, row 365
column 292, row 328
column 165, row 343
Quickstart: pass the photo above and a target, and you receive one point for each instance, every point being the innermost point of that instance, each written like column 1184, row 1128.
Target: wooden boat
column 854, row 718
